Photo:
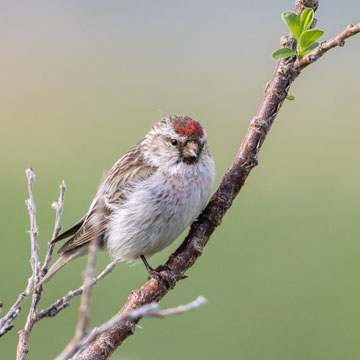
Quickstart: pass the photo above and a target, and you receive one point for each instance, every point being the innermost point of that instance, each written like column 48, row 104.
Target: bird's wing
column 69, row 232
column 128, row 171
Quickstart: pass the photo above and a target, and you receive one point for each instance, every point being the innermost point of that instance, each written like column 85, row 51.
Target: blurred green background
column 82, row 81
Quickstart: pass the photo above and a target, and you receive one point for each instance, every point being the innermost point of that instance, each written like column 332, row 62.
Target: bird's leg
column 147, row 265
column 155, row 273
column 150, row 270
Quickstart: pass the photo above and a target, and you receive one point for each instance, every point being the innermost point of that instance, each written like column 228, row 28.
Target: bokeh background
column 82, row 81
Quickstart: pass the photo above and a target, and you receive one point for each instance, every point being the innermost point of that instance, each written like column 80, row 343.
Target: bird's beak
column 191, row 150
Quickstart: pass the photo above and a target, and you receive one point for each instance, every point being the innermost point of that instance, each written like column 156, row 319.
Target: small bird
column 158, row 188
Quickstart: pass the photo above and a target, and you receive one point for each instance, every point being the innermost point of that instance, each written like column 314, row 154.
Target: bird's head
column 174, row 140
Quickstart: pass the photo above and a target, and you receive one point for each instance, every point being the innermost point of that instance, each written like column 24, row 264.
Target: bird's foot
column 168, row 279
column 163, row 267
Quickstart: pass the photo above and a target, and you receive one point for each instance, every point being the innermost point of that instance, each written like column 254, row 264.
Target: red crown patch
column 186, row 126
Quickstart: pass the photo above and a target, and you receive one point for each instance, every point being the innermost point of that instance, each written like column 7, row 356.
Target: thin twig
column 63, row 302
column 88, row 274
column 22, row 349
column 6, row 323
column 30, row 204
column 138, row 313
column 338, row 40
column 58, row 207
column 148, row 310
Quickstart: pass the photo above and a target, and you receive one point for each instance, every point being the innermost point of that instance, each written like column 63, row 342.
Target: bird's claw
column 168, row 279
column 163, row 267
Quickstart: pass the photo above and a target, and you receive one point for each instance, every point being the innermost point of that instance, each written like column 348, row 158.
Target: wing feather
column 69, row 232
column 128, row 171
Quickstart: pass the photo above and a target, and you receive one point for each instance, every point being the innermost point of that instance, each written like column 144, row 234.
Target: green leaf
column 306, row 19
column 310, row 48
column 290, row 97
column 308, row 37
column 293, row 22
column 283, row 53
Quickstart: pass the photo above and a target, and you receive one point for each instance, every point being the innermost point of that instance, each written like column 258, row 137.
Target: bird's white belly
column 155, row 213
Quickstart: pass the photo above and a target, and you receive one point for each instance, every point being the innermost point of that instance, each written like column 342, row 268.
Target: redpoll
column 149, row 197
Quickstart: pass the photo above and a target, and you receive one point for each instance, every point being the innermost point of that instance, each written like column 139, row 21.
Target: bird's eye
column 174, row 142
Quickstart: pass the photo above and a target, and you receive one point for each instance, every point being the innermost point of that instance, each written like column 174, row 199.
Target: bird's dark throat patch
column 190, row 160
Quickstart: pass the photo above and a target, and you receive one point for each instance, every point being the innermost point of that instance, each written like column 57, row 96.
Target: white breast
column 158, row 209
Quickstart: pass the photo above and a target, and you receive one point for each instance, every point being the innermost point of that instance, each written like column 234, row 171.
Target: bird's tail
column 60, row 262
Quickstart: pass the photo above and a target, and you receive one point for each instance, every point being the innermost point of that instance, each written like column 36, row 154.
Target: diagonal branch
column 185, row 256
